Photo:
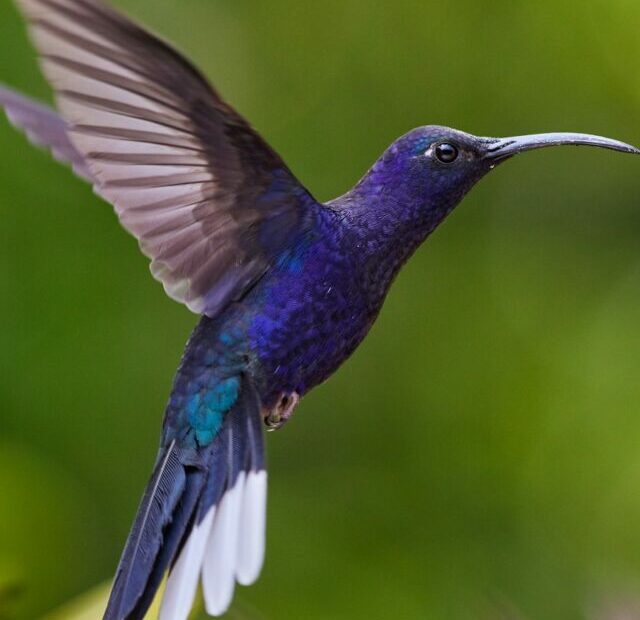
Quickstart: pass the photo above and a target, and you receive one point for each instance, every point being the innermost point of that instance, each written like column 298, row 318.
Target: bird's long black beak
column 499, row 149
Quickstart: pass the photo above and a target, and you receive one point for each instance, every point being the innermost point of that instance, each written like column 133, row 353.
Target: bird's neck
column 385, row 223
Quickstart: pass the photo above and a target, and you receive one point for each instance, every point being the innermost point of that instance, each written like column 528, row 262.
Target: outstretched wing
column 210, row 202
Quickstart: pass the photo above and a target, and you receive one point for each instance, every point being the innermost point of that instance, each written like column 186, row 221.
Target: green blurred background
column 478, row 457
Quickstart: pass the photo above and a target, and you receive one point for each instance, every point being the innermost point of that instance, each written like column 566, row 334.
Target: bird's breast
column 312, row 314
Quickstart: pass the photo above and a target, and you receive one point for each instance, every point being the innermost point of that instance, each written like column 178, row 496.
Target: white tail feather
column 227, row 545
column 251, row 539
column 219, row 567
column 183, row 580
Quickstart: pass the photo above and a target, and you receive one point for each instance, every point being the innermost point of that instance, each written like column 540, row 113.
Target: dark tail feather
column 173, row 538
column 162, row 518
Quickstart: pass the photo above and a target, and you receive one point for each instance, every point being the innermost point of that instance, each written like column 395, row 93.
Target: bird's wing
column 43, row 128
column 211, row 204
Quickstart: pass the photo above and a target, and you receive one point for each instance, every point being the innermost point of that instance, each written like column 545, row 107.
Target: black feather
column 174, row 536
column 161, row 497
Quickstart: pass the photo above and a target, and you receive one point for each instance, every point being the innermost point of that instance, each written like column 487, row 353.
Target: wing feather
column 188, row 176
column 44, row 128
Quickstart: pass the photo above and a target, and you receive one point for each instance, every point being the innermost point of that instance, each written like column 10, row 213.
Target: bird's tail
column 203, row 517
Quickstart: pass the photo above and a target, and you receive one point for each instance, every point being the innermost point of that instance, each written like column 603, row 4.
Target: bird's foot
column 276, row 417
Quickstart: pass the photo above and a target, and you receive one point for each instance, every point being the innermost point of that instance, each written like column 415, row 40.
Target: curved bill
column 502, row 148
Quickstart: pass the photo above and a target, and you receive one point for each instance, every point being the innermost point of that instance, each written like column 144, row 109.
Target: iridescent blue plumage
column 287, row 287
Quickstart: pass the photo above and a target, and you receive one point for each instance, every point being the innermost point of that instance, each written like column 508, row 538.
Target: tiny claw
column 280, row 414
column 273, row 421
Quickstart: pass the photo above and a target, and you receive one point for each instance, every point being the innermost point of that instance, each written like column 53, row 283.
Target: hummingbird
column 286, row 287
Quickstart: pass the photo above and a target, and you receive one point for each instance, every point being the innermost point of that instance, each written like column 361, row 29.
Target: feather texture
column 226, row 543
column 158, row 504
column 210, row 202
column 172, row 537
column 183, row 581
column 43, row 128
column 193, row 520
column 218, row 569
column 251, row 542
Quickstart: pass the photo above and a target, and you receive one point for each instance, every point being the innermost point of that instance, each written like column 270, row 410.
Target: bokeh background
column 479, row 456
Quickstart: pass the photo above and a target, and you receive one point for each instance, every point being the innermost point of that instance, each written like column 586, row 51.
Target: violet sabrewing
column 286, row 287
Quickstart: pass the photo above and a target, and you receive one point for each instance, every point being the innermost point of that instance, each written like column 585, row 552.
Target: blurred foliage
column 478, row 456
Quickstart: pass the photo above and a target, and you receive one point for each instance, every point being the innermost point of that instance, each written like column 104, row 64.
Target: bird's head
column 423, row 175
column 438, row 165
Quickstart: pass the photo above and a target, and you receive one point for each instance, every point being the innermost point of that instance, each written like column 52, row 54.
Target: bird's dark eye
column 446, row 153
